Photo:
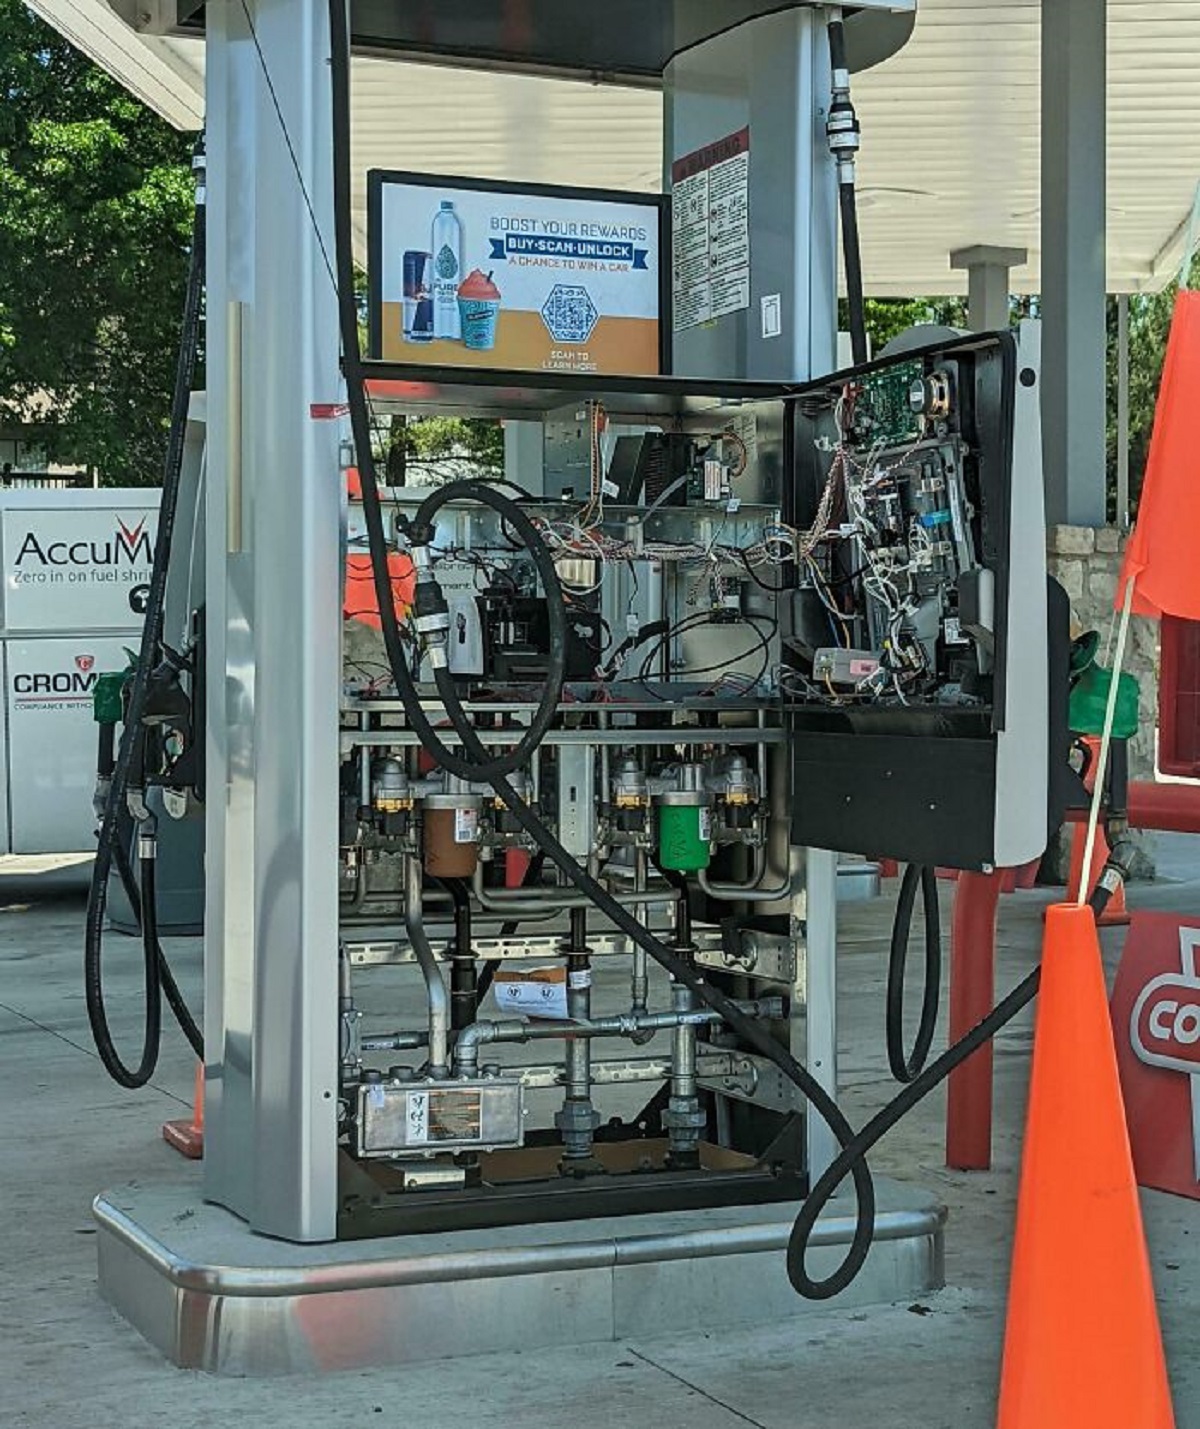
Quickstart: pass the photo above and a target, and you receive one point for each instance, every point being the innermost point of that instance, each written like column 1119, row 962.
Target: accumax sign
column 76, row 568
column 129, row 546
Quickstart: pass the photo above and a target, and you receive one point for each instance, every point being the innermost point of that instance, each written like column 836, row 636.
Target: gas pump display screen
column 470, row 273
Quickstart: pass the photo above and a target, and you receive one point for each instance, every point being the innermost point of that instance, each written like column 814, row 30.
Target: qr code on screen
column 569, row 313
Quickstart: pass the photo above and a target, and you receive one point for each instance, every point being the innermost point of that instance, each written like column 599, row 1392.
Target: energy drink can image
column 418, row 298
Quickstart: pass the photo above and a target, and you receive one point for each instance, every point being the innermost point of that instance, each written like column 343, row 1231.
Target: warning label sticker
column 710, row 216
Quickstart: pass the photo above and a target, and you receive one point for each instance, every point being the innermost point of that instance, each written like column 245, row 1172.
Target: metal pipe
column 435, row 988
column 749, row 892
column 364, row 763
column 359, row 898
column 684, row 1118
column 577, row 1120
column 622, row 738
column 463, row 1008
column 394, row 1042
column 639, row 982
column 516, row 900
column 470, row 1039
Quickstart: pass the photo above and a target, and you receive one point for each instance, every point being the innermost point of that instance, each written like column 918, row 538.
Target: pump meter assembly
column 714, row 625
column 521, row 867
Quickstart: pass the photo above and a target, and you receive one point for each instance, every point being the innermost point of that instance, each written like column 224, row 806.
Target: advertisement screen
column 466, row 273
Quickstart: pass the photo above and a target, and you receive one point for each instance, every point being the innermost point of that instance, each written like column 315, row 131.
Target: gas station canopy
column 951, row 123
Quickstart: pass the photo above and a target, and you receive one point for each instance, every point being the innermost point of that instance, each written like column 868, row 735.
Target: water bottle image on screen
column 447, row 267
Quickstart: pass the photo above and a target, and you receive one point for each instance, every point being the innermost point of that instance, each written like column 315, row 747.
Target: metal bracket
column 770, row 956
column 747, row 1077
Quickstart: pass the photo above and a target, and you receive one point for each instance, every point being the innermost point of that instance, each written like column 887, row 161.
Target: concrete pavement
column 66, row 1132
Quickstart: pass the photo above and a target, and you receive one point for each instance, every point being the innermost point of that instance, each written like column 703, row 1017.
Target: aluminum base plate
column 212, row 1295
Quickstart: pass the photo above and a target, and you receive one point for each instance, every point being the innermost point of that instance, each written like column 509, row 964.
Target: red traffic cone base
column 187, row 1134
column 1082, row 1345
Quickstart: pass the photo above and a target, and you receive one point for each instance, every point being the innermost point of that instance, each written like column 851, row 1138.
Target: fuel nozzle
column 431, row 613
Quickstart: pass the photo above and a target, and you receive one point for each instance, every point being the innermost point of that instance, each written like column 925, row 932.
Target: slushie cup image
column 478, row 307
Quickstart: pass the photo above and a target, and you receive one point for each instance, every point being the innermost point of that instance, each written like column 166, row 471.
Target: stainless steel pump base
column 211, row 1295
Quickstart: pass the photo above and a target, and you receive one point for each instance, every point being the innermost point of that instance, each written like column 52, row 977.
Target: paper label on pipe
column 705, row 824
column 466, row 826
column 540, row 993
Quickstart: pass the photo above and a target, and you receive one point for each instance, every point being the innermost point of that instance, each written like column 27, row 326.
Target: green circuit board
column 882, row 413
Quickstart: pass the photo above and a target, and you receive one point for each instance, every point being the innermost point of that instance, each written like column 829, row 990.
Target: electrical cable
column 906, row 1066
column 108, row 838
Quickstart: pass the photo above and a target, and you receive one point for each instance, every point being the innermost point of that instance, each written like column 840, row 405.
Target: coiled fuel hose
column 158, row 980
column 905, row 1066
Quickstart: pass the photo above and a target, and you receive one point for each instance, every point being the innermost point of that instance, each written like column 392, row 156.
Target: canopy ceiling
column 950, row 153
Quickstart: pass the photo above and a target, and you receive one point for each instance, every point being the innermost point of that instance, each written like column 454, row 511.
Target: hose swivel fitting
column 842, row 128
column 431, row 613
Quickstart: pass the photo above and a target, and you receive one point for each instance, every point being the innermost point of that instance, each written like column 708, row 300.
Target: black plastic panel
column 919, row 800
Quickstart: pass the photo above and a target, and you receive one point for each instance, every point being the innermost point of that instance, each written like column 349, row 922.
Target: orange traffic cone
column 187, row 1134
column 1082, row 1346
column 1116, row 913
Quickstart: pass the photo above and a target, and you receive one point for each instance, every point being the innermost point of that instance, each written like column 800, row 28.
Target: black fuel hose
column 852, row 253
column 475, row 759
column 842, row 128
column 108, row 839
column 904, row 1065
column 170, row 988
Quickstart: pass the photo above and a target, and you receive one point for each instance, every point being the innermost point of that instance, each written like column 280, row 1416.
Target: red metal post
column 1172, row 807
column 972, row 996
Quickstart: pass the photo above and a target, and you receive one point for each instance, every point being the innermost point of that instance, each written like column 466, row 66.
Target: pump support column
column 988, row 286
column 1073, row 260
column 274, row 504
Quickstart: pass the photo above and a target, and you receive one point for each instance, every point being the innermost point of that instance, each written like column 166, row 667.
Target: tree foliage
column 889, row 317
column 95, row 221
column 432, row 445
column 95, row 216
column 1149, row 324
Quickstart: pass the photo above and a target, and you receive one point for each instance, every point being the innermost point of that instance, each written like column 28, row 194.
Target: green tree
column 889, row 317
column 1149, row 324
column 95, row 222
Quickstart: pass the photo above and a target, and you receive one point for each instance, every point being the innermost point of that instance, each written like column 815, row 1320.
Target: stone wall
column 1087, row 561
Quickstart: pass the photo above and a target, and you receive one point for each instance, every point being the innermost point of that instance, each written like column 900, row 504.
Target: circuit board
column 883, row 412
